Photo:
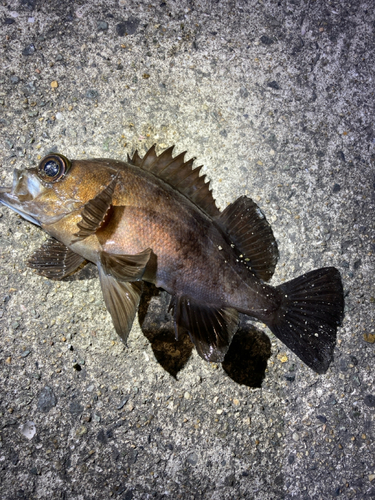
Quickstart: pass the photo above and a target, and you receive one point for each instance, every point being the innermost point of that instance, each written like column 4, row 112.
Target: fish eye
column 53, row 167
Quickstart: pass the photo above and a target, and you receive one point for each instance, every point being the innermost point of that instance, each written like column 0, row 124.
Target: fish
column 154, row 219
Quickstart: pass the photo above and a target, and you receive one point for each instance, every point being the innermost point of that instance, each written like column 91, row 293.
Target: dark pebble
column 273, row 85
column 370, row 400
column 354, row 360
column 322, row 419
column 336, row 188
column 291, row 459
column 266, row 40
column 14, row 79
column 29, row 50
column 47, row 400
column 244, row 93
column 223, row 133
column 128, row 495
column 357, row 264
column 75, row 408
column 92, row 94
column 9, row 20
column 128, row 27
column 101, row 437
column 341, row 155
column 123, row 403
column 229, row 480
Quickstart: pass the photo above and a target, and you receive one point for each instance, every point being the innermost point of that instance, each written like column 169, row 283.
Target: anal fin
column 247, row 228
column 210, row 328
column 54, row 260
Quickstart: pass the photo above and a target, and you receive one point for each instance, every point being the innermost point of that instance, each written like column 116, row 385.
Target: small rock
column 273, row 85
column 369, row 337
column 102, row 26
column 128, row 27
column 92, row 94
column 295, row 437
column 192, row 458
column 369, row 400
column 47, row 400
column 28, row 429
column 28, row 50
column 123, row 403
column 82, row 430
column 266, row 40
column 14, row 79
column 75, row 408
column 322, row 419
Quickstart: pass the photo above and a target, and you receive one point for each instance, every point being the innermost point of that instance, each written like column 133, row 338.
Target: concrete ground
column 276, row 100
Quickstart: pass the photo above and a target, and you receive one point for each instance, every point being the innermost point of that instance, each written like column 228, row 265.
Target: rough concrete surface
column 276, row 100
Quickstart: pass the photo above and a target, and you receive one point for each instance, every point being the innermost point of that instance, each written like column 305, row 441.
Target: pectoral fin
column 54, row 260
column 125, row 267
column 122, row 300
column 94, row 211
column 211, row 329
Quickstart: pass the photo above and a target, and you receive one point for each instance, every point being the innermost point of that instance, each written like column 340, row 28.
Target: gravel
column 276, row 100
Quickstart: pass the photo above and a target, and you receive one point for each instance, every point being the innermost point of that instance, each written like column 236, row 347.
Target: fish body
column 154, row 219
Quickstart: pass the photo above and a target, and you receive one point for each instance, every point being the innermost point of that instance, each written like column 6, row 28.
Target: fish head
column 55, row 188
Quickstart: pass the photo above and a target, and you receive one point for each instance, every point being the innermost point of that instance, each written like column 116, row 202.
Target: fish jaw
column 12, row 202
column 30, row 198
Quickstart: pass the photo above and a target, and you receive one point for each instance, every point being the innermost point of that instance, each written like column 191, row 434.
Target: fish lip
column 11, row 202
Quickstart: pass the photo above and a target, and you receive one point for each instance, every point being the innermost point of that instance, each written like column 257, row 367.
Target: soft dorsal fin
column 247, row 227
column 180, row 175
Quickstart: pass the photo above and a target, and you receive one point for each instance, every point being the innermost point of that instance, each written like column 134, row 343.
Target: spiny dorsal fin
column 180, row 175
column 247, row 227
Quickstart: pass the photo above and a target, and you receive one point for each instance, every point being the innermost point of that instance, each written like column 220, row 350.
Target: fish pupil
column 51, row 168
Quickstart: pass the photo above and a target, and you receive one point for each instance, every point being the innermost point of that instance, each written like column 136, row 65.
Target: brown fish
column 154, row 219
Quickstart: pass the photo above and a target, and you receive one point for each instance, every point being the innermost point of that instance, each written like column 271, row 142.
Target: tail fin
column 311, row 311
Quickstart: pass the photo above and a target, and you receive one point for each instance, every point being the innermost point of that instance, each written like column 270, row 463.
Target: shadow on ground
column 245, row 362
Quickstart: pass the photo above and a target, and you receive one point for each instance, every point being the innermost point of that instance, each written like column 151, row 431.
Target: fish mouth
column 24, row 189
column 12, row 202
